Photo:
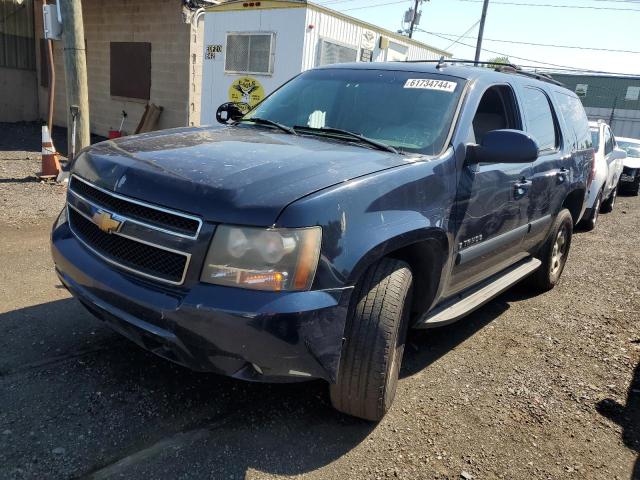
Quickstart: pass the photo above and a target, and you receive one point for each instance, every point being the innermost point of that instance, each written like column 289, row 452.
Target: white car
column 630, row 179
column 608, row 166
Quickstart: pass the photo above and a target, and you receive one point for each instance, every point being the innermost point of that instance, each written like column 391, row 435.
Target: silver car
column 630, row 179
column 608, row 166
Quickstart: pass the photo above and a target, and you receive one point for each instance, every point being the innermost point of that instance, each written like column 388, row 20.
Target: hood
column 243, row 175
column 631, row 162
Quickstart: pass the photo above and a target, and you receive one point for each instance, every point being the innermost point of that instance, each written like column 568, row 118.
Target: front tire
column 634, row 189
column 374, row 341
column 554, row 253
column 609, row 203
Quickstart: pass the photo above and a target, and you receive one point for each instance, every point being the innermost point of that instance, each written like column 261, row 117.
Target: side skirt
column 466, row 302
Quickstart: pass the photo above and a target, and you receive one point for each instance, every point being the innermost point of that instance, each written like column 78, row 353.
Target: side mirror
column 504, row 146
column 231, row 112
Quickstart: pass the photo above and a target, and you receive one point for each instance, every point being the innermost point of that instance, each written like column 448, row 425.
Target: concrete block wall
column 159, row 22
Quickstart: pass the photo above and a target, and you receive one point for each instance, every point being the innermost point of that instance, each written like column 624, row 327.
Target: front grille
column 142, row 258
column 136, row 211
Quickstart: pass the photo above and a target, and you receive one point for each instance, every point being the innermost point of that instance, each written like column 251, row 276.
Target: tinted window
column 540, row 119
column 608, row 141
column 407, row 110
column 575, row 118
column 595, row 138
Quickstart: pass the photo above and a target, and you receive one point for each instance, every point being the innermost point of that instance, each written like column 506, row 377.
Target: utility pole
column 75, row 68
column 481, row 32
column 414, row 17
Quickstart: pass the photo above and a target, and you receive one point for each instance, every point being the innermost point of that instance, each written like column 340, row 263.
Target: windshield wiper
column 266, row 121
column 347, row 133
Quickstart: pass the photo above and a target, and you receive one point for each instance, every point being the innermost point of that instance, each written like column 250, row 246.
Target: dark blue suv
column 302, row 240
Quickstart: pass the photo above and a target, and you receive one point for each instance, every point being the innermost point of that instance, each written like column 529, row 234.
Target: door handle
column 562, row 174
column 521, row 188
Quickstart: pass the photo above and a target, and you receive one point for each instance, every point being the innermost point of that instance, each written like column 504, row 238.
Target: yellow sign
column 246, row 90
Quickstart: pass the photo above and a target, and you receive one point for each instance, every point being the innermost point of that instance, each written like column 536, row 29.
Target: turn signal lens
column 263, row 259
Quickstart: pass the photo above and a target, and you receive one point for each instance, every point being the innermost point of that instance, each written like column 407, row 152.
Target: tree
column 499, row 61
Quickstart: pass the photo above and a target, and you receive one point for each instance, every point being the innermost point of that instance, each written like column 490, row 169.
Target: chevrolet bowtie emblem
column 106, row 222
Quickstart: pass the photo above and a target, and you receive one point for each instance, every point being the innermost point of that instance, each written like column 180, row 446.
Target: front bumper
column 629, row 176
column 252, row 335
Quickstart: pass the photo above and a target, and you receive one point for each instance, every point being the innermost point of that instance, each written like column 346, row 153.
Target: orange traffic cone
column 50, row 162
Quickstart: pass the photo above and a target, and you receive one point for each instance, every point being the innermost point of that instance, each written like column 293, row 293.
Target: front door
column 492, row 200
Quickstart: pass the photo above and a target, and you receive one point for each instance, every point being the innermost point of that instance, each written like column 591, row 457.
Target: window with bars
column 17, row 45
column 249, row 53
column 331, row 53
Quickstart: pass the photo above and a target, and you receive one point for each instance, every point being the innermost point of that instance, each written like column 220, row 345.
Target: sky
column 606, row 24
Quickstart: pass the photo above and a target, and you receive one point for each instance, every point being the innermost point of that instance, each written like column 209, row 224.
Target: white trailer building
column 253, row 47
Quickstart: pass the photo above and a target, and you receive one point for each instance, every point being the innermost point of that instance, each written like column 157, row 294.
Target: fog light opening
column 257, row 369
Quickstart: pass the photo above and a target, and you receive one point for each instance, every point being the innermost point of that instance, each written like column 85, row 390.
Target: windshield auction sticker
column 430, row 84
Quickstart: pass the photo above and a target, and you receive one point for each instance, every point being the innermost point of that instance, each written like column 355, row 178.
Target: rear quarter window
column 576, row 119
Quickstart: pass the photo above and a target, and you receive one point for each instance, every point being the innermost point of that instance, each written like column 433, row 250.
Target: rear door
column 550, row 171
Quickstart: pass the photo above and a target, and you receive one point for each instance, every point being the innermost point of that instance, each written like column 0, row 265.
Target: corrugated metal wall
column 608, row 98
column 17, row 45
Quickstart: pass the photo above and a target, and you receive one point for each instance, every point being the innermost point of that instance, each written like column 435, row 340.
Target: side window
column 576, row 118
column 497, row 111
column 608, row 141
column 541, row 124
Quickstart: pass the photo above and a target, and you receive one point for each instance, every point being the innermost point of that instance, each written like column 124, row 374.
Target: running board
column 459, row 306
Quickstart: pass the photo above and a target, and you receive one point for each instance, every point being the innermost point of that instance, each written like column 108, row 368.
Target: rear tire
column 634, row 189
column 554, row 253
column 609, row 203
column 590, row 222
column 374, row 341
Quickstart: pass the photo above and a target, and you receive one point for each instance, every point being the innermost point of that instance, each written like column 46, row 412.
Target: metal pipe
column 52, row 81
column 195, row 18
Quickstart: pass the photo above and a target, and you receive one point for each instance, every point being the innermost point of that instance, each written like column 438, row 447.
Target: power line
column 532, row 43
column 374, row 6
column 528, row 59
column 551, row 5
column 461, row 36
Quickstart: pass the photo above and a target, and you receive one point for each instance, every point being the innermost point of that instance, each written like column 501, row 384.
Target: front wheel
column 554, row 253
column 374, row 341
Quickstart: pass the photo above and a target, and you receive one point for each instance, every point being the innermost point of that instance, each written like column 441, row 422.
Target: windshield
column 595, row 138
column 632, row 149
column 405, row 110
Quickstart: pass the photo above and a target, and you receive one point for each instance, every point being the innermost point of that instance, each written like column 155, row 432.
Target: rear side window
column 595, row 138
column 608, row 141
column 575, row 118
column 540, row 122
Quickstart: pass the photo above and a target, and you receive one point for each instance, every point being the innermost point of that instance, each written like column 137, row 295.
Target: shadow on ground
column 118, row 411
column 627, row 416
column 27, row 136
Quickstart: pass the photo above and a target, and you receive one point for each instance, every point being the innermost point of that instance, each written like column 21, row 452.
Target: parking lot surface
column 529, row 386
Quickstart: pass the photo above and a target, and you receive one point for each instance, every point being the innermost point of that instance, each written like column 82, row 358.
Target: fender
column 373, row 216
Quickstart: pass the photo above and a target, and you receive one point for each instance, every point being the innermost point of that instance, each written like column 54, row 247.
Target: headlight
column 274, row 259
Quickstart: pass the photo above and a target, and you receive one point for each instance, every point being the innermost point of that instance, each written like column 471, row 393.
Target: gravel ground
column 528, row 387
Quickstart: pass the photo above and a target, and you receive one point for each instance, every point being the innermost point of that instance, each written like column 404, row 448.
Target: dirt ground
column 529, row 387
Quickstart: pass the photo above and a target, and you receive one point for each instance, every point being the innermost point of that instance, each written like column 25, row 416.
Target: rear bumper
column 252, row 335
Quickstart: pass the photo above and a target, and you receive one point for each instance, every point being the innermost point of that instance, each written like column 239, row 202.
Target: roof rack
column 499, row 67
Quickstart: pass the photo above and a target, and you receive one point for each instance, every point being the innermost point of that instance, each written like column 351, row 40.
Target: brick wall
column 159, row 22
